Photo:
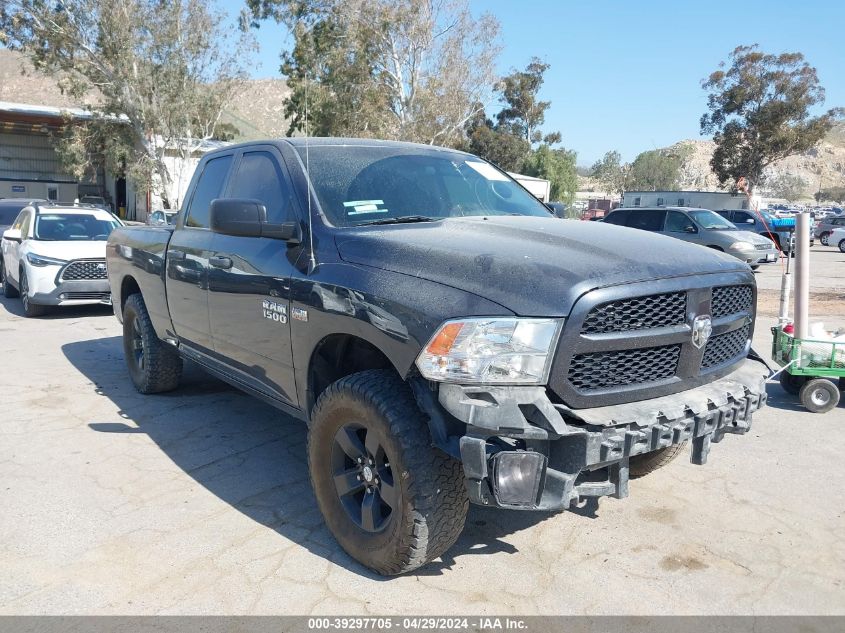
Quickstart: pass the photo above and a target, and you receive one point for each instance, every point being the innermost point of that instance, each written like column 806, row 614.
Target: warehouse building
column 30, row 166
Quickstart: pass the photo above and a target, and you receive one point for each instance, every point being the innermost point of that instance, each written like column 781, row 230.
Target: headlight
column 491, row 350
column 742, row 246
column 40, row 260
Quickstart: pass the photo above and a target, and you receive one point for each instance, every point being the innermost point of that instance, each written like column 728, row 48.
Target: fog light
column 517, row 476
column 63, row 296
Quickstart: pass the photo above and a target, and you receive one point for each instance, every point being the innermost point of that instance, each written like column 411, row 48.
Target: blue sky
column 626, row 75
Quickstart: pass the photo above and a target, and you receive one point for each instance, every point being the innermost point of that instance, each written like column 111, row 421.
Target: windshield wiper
column 406, row 219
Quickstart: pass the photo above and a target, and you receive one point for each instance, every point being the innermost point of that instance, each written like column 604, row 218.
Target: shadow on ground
column 253, row 457
column 15, row 307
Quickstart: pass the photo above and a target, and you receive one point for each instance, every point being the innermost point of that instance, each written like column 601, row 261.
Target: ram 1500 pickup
column 446, row 339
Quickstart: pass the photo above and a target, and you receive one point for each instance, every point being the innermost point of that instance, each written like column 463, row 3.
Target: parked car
column 10, row 208
column 446, row 339
column 95, row 201
column 54, row 255
column 699, row 226
column 825, row 226
column 837, row 238
column 765, row 224
column 162, row 217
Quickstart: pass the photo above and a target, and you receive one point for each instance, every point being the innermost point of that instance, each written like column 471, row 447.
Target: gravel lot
column 198, row 502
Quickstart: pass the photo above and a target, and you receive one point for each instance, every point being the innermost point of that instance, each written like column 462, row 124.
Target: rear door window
column 647, row 219
column 617, row 217
column 209, row 187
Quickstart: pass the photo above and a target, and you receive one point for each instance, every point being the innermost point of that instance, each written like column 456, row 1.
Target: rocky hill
column 824, row 164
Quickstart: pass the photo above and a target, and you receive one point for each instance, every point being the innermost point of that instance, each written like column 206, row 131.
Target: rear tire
column 30, row 310
column 819, row 395
column 153, row 365
column 392, row 500
column 642, row 465
column 791, row 384
column 9, row 291
column 823, row 238
column 842, row 246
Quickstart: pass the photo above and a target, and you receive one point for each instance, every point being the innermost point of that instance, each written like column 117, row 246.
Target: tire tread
column 435, row 480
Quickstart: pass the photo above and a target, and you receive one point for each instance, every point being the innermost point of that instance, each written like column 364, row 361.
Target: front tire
column 645, row 463
column 392, row 500
column 819, row 395
column 842, row 246
column 153, row 365
column 30, row 310
column 9, row 291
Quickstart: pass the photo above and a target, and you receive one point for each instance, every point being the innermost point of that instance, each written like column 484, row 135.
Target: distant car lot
column 198, row 502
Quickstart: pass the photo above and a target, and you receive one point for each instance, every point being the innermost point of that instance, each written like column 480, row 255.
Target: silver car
column 699, row 226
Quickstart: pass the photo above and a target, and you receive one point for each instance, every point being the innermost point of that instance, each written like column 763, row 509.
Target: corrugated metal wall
column 29, row 157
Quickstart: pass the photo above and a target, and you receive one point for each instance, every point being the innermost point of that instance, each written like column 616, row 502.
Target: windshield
column 366, row 185
column 711, row 221
column 72, row 227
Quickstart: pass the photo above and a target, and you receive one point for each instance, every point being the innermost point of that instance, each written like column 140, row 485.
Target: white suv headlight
column 40, row 260
column 491, row 350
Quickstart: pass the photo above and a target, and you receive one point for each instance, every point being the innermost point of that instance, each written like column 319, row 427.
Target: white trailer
column 539, row 187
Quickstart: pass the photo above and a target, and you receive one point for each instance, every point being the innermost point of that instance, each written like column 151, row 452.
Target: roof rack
column 38, row 204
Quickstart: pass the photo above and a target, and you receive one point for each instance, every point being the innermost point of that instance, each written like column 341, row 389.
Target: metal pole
column 785, row 286
column 802, row 277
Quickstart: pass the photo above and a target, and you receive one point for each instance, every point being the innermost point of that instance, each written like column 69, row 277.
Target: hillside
column 257, row 110
column 824, row 164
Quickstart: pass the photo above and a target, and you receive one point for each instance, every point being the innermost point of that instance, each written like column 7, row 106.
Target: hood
column 532, row 266
column 87, row 249
column 748, row 236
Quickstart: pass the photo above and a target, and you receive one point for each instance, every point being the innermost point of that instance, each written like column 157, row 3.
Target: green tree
column 508, row 142
column 158, row 73
column 654, row 171
column 558, row 167
column 500, row 147
column 403, row 69
column 523, row 112
column 610, row 172
column 760, row 112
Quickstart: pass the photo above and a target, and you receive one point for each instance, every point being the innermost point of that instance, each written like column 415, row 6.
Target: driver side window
column 678, row 222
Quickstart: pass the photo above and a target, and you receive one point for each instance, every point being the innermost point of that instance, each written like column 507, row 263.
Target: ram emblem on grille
column 702, row 328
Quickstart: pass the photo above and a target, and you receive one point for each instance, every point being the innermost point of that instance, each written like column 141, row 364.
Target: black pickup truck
column 445, row 338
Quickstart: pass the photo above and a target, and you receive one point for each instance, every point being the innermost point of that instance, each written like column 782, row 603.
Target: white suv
column 55, row 255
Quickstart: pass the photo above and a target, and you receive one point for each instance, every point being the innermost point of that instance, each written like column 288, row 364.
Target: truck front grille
column 730, row 300
column 724, row 347
column 620, row 344
column 89, row 269
column 637, row 313
column 602, row 370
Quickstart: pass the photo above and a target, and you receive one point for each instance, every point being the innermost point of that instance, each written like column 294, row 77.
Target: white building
column 714, row 200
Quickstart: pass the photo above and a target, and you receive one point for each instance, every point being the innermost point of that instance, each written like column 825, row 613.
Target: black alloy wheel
column 363, row 477
column 137, row 345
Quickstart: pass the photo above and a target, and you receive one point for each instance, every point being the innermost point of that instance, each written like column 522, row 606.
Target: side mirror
column 13, row 235
column 690, row 229
column 749, row 221
column 248, row 218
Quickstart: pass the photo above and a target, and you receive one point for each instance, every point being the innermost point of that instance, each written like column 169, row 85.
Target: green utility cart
column 811, row 369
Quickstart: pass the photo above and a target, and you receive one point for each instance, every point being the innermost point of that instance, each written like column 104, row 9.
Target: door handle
column 220, row 262
column 176, row 255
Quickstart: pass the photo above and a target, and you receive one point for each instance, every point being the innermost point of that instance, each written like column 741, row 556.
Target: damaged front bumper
column 521, row 450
